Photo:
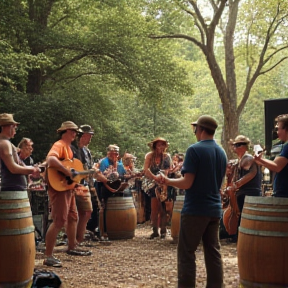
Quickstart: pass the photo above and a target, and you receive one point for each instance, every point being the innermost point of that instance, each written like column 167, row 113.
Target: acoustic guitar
column 61, row 182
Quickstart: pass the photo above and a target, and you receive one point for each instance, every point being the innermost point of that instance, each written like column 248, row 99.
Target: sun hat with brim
column 206, row 121
column 86, row 129
column 68, row 125
column 241, row 139
column 158, row 139
column 7, row 119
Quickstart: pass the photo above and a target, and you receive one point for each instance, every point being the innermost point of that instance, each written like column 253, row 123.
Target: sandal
column 78, row 252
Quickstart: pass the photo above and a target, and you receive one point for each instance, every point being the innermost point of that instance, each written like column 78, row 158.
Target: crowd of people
column 200, row 172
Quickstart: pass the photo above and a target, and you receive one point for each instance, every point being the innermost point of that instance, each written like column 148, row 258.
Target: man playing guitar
column 63, row 205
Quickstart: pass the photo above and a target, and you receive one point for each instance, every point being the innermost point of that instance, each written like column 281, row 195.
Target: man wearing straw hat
column 63, row 204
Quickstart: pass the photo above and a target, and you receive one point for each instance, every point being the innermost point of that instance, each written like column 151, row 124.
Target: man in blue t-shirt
column 280, row 163
column 114, row 172
column 203, row 172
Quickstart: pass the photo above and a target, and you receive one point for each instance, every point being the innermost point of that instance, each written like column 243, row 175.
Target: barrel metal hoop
column 11, row 216
column 18, row 284
column 13, row 195
column 120, row 208
column 16, row 205
column 264, row 218
column 263, row 233
column 266, row 209
column 249, row 284
column 177, row 210
column 8, row 232
column 279, row 201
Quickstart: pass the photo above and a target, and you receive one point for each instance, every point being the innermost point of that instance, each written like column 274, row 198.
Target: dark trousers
column 193, row 229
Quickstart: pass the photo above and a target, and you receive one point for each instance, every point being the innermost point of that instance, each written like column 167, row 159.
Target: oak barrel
column 17, row 241
column 121, row 218
column 263, row 242
column 176, row 215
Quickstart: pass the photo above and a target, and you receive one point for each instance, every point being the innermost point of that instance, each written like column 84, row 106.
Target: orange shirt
column 61, row 150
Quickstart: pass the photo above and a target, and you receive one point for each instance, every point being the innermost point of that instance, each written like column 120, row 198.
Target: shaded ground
column 137, row 262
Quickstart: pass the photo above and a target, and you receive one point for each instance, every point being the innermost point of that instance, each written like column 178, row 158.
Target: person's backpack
column 45, row 279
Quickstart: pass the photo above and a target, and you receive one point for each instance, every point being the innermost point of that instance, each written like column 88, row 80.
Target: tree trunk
column 39, row 12
column 230, row 130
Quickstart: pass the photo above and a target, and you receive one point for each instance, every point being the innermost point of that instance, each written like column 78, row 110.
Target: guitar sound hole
column 69, row 181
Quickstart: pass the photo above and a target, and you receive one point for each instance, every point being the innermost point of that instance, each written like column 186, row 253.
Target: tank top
column 10, row 181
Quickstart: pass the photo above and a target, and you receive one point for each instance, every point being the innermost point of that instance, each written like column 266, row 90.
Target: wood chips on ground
column 134, row 263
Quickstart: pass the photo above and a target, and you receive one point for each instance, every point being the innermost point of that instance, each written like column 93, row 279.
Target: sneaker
column 78, row 252
column 153, row 235
column 52, row 261
column 104, row 238
column 163, row 235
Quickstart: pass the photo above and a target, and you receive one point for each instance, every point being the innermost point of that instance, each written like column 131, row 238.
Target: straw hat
column 240, row 139
column 158, row 139
column 7, row 119
column 206, row 121
column 67, row 125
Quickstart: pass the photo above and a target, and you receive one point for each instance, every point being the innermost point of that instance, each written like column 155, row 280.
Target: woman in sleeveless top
column 155, row 161
column 11, row 172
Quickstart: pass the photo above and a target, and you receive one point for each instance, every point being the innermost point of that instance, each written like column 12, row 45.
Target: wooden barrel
column 17, row 242
column 121, row 218
column 176, row 215
column 263, row 242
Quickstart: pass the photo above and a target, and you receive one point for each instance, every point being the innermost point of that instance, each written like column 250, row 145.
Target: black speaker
column 273, row 108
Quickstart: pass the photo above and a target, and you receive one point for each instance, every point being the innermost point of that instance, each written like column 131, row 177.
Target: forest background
column 138, row 69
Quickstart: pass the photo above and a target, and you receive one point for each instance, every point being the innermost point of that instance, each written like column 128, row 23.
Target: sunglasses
column 237, row 145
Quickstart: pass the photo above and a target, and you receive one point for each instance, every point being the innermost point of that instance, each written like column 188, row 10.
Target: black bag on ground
column 47, row 279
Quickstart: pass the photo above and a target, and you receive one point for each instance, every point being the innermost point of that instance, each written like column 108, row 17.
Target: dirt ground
column 133, row 263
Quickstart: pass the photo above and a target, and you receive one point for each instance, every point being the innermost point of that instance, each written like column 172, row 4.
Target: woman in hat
column 155, row 161
column 248, row 176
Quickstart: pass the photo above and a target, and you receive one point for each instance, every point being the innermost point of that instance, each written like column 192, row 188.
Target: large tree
column 254, row 41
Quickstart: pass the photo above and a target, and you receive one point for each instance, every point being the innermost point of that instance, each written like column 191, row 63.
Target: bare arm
column 246, row 178
column 182, row 183
column 13, row 167
column 54, row 162
column 146, row 169
column 277, row 165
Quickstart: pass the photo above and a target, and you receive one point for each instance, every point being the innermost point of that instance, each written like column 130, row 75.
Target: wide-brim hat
column 206, row 121
column 240, row 139
column 7, row 119
column 86, row 129
column 68, row 125
column 158, row 139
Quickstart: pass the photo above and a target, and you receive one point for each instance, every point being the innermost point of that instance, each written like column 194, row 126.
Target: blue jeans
column 192, row 230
